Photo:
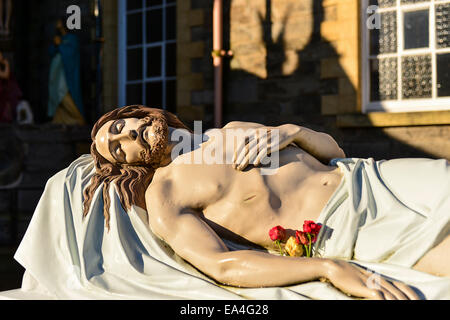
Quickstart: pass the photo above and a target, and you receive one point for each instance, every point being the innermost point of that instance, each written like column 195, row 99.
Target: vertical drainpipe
column 218, row 55
column 218, row 61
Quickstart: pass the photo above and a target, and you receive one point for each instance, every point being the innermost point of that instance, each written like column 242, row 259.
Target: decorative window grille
column 406, row 61
column 147, row 53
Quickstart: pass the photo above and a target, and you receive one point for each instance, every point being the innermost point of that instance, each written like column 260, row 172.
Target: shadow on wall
column 273, row 94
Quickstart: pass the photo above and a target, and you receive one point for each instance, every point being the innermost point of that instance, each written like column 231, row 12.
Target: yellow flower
column 293, row 248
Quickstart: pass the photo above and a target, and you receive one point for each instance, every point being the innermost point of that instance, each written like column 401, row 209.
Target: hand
column 57, row 40
column 358, row 282
column 262, row 142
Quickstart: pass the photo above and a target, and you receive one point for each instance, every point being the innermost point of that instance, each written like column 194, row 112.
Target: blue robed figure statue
column 65, row 103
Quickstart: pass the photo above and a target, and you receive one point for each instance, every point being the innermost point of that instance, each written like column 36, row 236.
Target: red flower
column 311, row 227
column 277, row 233
column 301, row 237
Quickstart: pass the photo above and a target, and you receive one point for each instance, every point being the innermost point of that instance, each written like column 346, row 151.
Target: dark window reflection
column 153, row 93
column 443, row 75
column 416, row 29
column 171, row 93
column 153, row 3
column 171, row 23
column 134, row 64
column 154, row 57
column 134, row 4
column 134, row 29
column 154, row 25
column 171, row 59
column 134, row 94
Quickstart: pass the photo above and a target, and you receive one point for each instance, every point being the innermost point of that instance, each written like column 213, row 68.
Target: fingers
column 251, row 151
column 407, row 290
column 389, row 290
column 242, row 154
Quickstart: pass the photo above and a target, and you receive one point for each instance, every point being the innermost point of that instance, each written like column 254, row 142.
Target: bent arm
column 192, row 239
column 319, row 144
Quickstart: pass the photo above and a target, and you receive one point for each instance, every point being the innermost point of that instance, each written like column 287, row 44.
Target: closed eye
column 117, row 126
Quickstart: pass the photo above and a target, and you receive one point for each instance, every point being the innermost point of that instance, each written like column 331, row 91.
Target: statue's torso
column 246, row 204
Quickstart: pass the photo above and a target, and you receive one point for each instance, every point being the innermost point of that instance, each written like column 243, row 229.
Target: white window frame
column 401, row 105
column 123, row 47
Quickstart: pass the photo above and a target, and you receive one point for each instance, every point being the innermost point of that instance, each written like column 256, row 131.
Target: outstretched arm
column 192, row 239
column 320, row 145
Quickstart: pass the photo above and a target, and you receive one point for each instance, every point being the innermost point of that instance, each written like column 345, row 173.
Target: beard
column 154, row 150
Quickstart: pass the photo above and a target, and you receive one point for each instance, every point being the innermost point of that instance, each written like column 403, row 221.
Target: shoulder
column 242, row 124
column 166, row 187
column 162, row 183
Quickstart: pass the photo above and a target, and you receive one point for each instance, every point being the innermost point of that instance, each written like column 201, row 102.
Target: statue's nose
column 132, row 135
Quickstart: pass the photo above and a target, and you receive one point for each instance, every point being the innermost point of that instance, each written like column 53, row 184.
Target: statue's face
column 133, row 141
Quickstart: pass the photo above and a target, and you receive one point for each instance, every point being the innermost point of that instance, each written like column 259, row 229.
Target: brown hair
column 131, row 180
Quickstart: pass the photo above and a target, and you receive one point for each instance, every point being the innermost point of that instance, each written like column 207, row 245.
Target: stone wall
column 42, row 150
column 297, row 61
column 46, row 150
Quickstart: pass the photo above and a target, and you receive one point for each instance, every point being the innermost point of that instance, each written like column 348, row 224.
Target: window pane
column 416, row 77
column 171, row 95
column 383, row 3
column 154, row 25
column 443, row 75
column 153, row 3
column 134, row 64
column 171, row 60
column 154, row 57
column 171, row 23
column 134, row 4
column 416, row 29
column 134, row 29
column 413, row 1
column 443, row 25
column 383, row 79
column 134, row 94
column 153, row 92
column 384, row 40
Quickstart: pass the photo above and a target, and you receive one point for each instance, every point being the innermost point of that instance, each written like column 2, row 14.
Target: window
column 406, row 56
column 147, row 53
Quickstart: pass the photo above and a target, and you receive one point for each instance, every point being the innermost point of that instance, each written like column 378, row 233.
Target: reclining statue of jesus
column 394, row 211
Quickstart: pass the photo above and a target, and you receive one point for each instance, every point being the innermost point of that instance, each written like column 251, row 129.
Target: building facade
column 375, row 80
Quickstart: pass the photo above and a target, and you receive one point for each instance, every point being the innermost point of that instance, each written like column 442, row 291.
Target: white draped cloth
column 67, row 256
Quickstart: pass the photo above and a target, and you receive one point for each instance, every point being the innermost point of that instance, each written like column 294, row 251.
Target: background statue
column 65, row 103
column 5, row 17
column 10, row 93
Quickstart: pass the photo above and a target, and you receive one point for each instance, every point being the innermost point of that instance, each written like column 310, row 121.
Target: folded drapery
column 390, row 211
column 67, row 256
